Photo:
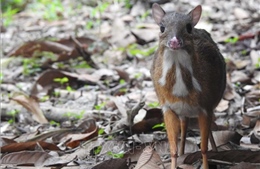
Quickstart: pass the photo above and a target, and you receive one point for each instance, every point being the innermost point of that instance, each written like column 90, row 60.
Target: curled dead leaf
column 90, row 130
column 32, row 106
column 149, row 159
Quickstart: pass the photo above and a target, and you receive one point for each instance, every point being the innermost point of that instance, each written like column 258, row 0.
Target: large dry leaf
column 244, row 165
column 149, row 159
column 239, row 76
column 145, row 35
column 55, row 134
column 46, row 80
column 90, row 130
column 14, row 147
column 224, row 136
column 222, row 106
column 29, row 48
column 35, row 158
column 64, row 48
column 122, row 74
column 5, row 141
column 112, row 164
column 232, row 156
column 135, row 152
column 32, row 106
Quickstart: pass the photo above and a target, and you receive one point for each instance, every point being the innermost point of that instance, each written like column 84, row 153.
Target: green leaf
column 44, row 98
column 232, row 40
column 161, row 125
column 121, row 81
column 100, row 131
column 135, row 51
column 257, row 65
column 69, row 89
column 97, row 150
column 61, row 80
column 153, row 104
column 52, row 122
column 100, row 106
column 116, row 155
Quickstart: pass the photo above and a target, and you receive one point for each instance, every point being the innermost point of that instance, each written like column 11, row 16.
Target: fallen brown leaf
column 90, row 130
column 112, row 164
column 31, row 145
column 231, row 156
column 31, row 105
column 35, row 158
column 149, row 159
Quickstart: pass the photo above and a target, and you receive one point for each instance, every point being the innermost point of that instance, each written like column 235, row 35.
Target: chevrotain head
column 176, row 29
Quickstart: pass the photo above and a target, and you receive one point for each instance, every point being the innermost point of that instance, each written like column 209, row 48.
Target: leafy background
column 76, row 87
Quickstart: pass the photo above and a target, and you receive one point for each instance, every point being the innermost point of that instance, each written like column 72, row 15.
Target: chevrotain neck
column 184, row 75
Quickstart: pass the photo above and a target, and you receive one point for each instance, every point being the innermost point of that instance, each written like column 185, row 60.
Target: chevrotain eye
column 189, row 28
column 162, row 28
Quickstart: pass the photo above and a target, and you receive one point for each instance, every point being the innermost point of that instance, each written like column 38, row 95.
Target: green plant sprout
column 56, row 94
column 8, row 16
column 30, row 66
column 61, row 80
column 1, row 77
column 244, row 52
column 89, row 24
column 110, row 137
column 161, row 125
column 13, row 114
column 100, row 106
column 138, row 75
column 144, row 15
column 257, row 65
column 82, row 64
column 45, row 98
column 99, row 9
column 134, row 51
column 128, row 4
column 153, row 104
column 50, row 9
column 54, row 123
column 45, row 54
column 101, row 131
column 75, row 115
column 232, row 40
column 123, row 90
column 69, row 89
column 97, row 150
column 116, row 155
column 94, row 19
column 122, row 81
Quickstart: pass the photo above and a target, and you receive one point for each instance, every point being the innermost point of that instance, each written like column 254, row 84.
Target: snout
column 175, row 43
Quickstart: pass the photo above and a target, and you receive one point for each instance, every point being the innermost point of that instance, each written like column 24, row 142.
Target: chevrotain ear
column 158, row 13
column 195, row 14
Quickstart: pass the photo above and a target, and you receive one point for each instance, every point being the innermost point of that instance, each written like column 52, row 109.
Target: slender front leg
column 184, row 126
column 204, row 124
column 172, row 124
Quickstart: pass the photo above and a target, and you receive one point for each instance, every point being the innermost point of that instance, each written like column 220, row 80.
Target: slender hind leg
column 204, row 124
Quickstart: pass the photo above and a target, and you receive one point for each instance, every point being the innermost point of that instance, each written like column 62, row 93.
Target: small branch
column 85, row 55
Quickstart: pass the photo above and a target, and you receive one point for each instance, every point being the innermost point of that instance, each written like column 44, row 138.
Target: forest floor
column 76, row 89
